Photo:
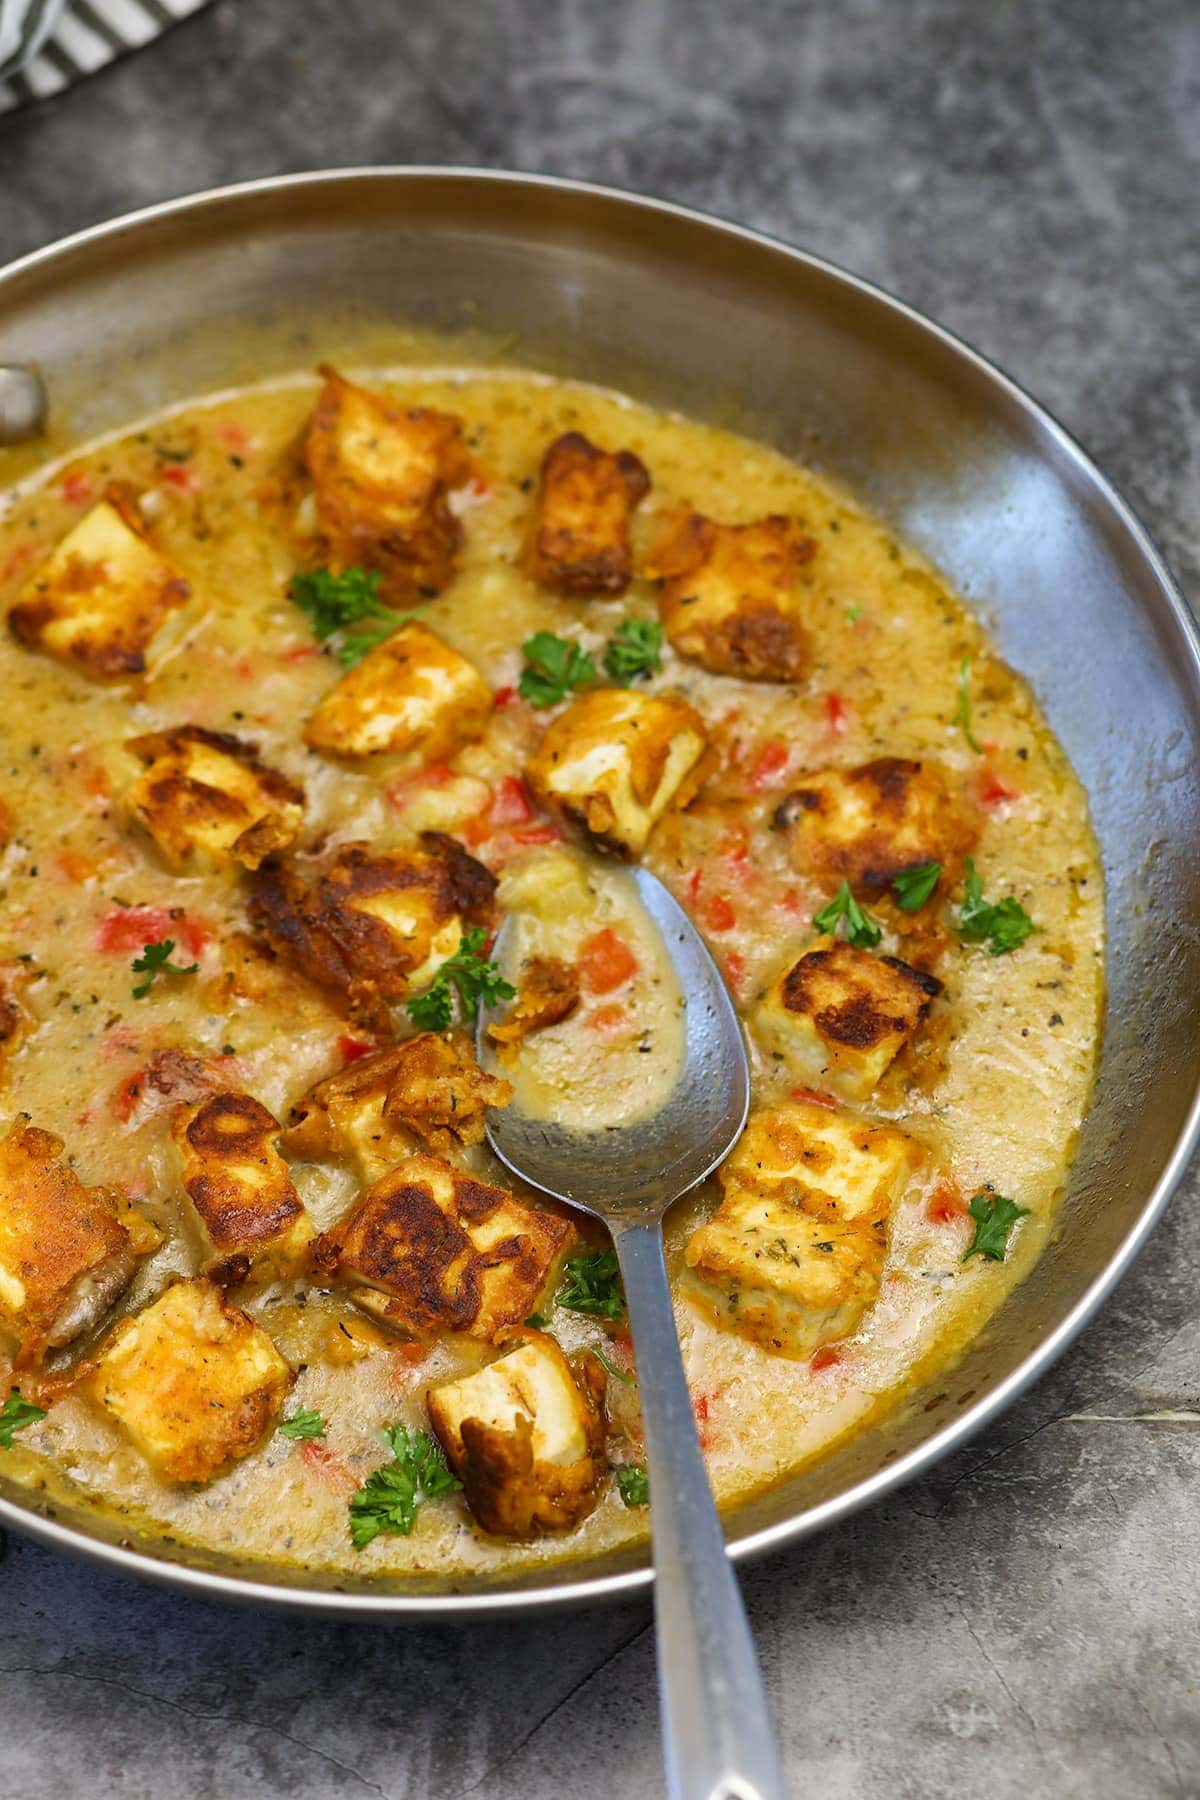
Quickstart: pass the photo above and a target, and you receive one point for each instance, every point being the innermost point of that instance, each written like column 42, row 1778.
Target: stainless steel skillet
column 725, row 324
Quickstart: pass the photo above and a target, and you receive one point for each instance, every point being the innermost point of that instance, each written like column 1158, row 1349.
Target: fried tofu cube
column 525, row 1436
column 412, row 694
column 193, row 1381
column 578, row 537
column 67, row 1252
column 371, row 929
column 205, row 794
column 380, row 473
column 840, row 1016
column 429, row 1090
column 548, row 993
column 869, row 824
column 239, row 1186
column 793, row 1256
column 434, row 1249
column 615, row 761
column 729, row 598
column 101, row 595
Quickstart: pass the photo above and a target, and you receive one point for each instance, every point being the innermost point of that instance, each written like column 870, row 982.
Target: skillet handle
column 718, row 1738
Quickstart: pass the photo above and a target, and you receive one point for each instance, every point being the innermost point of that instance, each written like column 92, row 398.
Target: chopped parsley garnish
column 635, row 648
column 912, row 887
column 592, row 1284
column 1002, row 924
column 15, row 1415
column 634, row 1485
column 994, row 1218
column 617, row 1374
column 554, row 666
column 854, row 613
column 155, row 960
column 344, row 606
column 537, row 1321
column 963, row 715
column 469, row 973
column 861, row 928
column 388, row 1501
column 303, row 1424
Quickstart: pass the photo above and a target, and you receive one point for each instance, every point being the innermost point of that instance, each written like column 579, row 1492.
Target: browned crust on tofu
column 61, row 1241
column 444, row 1250
column 510, row 1493
column 239, row 1184
column 180, row 811
column 548, row 993
column 327, row 931
column 69, row 581
column 380, row 472
column 869, row 1007
column 728, row 595
column 577, row 542
column 866, row 825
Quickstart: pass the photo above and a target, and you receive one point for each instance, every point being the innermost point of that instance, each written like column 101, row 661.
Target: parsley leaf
column 303, row 1424
column 155, row 960
column 15, row 1415
column 592, row 1285
column 994, row 1218
column 387, row 1502
column 854, row 613
column 635, row 648
column 617, row 1374
column 963, row 715
column 335, row 603
column 634, row 1485
column 912, row 887
column 537, row 1321
column 553, row 667
column 861, row 928
column 1003, row 924
column 468, row 972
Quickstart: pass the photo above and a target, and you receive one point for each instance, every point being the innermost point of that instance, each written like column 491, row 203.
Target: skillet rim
column 633, row 1584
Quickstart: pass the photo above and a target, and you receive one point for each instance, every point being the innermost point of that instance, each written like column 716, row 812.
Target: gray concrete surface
column 1025, row 1621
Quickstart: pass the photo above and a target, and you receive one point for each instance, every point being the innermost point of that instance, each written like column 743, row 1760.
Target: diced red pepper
column 945, row 1205
column 331, row 1469
column 128, row 928
column 301, row 653
column 817, row 1096
column 607, row 1018
column 719, row 915
column 735, row 970
column 606, row 962
column 826, row 1357
column 692, row 886
column 544, row 832
column 993, row 791
column 772, row 761
column 503, row 696
column 181, row 477
column 126, row 1096
column 351, row 1049
column 75, row 867
column 77, row 487
column 837, row 714
column 510, row 804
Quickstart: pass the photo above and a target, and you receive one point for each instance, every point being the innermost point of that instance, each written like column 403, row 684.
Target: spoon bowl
column 719, row 1743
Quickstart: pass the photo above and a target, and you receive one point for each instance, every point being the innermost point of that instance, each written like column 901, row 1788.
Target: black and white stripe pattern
column 88, row 36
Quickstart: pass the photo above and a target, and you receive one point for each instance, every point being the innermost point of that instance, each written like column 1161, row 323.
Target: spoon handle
column 718, row 1737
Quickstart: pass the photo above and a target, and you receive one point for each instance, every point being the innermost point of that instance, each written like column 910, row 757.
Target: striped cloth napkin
column 88, row 36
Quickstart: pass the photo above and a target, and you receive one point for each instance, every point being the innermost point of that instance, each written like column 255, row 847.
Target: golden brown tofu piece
column 578, row 537
column 840, row 1016
column 67, row 1252
column 238, row 1184
column 205, row 793
column 194, row 1382
column 615, row 761
column 434, row 1249
column 525, row 1436
column 411, row 695
column 793, row 1256
column 429, row 1089
column 547, row 994
column 381, row 471
column 101, row 595
column 729, row 597
column 371, row 929
column 869, row 824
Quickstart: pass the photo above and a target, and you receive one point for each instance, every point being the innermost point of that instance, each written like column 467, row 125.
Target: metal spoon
column 718, row 1738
